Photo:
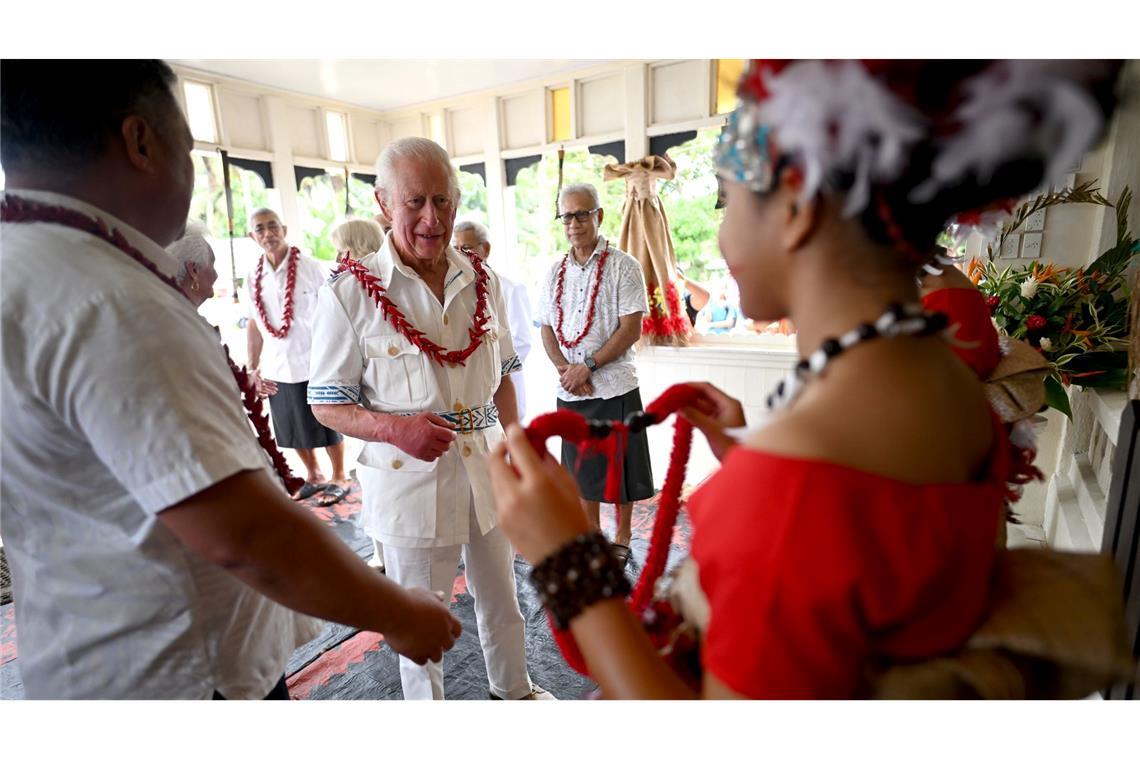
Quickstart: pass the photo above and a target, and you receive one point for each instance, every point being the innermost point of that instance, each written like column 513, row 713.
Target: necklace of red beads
column 558, row 288
column 375, row 289
column 16, row 210
column 290, row 286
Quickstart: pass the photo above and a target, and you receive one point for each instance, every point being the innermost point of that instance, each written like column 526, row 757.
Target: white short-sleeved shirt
column 118, row 403
column 622, row 292
column 360, row 358
column 286, row 360
column 521, row 322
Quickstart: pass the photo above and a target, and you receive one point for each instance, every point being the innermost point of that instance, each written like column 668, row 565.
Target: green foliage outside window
column 472, row 199
column 689, row 199
column 208, row 204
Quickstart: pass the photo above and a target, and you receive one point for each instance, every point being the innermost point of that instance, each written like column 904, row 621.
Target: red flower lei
column 374, row 287
column 17, row 210
column 558, row 286
column 290, row 286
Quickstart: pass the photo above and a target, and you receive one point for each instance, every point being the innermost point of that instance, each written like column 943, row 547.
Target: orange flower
column 974, row 270
column 1045, row 273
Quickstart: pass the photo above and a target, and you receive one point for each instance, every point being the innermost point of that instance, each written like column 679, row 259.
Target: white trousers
column 490, row 574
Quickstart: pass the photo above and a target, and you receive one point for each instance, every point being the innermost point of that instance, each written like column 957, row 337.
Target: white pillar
column 636, row 117
column 280, row 144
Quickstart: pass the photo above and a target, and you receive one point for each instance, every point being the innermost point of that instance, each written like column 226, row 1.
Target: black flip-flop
column 621, row 553
column 309, row 489
column 336, row 492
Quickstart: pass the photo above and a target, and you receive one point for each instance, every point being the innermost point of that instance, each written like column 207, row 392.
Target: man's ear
column 380, row 202
column 140, row 141
column 601, row 216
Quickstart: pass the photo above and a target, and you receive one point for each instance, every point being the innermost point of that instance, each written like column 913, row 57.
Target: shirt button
column 445, row 319
column 392, row 350
column 397, row 464
column 466, row 450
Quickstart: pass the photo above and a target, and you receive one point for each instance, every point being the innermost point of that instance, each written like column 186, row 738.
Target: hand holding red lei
column 290, row 287
column 609, row 438
column 558, row 288
column 375, row 289
column 16, row 210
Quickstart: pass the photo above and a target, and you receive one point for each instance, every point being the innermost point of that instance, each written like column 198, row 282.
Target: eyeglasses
column 269, row 227
column 581, row 216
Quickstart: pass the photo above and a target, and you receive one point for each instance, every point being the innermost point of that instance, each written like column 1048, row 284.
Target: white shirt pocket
column 398, row 371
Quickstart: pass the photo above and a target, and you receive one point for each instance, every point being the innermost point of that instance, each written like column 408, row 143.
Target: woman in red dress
column 857, row 526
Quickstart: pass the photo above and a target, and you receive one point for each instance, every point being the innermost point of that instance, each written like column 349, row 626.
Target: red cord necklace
column 16, row 210
column 290, row 286
column 375, row 289
column 558, row 288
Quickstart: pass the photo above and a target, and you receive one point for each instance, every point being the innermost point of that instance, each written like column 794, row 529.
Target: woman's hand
column 714, row 413
column 537, row 499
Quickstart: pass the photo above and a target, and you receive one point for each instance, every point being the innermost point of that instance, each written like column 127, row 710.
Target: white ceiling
column 385, row 85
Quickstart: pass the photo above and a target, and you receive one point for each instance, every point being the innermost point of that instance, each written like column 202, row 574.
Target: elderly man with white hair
column 472, row 236
column 592, row 304
column 412, row 354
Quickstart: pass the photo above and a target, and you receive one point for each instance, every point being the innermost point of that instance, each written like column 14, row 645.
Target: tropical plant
column 1076, row 317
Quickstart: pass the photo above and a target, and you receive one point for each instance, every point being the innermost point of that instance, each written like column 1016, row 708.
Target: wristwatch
column 590, row 363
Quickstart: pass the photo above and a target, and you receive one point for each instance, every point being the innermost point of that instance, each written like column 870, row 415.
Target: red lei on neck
column 558, row 287
column 290, row 286
column 16, row 210
column 375, row 289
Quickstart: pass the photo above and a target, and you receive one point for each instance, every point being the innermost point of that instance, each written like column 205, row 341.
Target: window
column 536, row 236
column 208, row 204
column 728, row 72
column 689, row 201
column 560, row 114
column 472, row 199
column 320, row 200
column 336, row 127
column 200, row 111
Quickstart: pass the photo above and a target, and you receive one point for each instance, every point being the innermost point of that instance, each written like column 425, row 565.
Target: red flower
column 1035, row 322
column 992, row 303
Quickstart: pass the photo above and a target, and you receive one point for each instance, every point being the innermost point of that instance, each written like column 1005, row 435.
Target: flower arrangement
column 1077, row 318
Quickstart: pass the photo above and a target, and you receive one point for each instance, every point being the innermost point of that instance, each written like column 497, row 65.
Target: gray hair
column 467, row 225
column 581, row 187
column 417, row 148
column 191, row 248
column 358, row 236
column 262, row 211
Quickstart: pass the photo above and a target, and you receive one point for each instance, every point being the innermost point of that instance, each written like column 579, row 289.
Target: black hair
column 937, row 91
column 935, row 88
column 61, row 114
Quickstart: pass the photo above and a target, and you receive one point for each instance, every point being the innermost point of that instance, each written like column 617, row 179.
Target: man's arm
column 628, row 333
column 553, row 351
column 248, row 526
column 424, row 436
column 506, row 402
column 254, row 342
column 577, row 376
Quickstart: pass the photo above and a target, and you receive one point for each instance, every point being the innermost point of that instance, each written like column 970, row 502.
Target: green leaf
column 1056, row 397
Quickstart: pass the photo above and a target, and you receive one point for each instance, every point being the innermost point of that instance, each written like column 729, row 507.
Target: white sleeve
column 336, row 362
column 546, row 301
column 509, row 360
column 162, row 410
column 632, row 297
column 518, row 310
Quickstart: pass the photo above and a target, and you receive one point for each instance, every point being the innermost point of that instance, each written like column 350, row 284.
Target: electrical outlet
column 1035, row 222
column 1010, row 247
column 1031, row 245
